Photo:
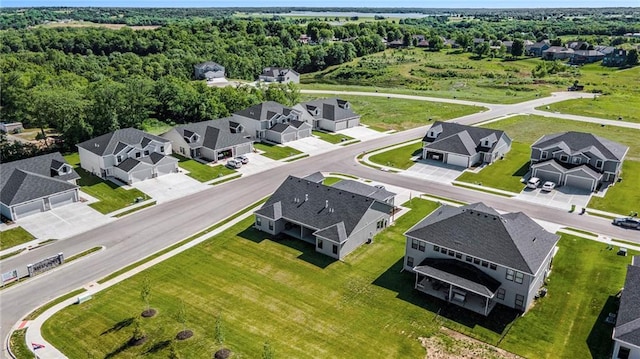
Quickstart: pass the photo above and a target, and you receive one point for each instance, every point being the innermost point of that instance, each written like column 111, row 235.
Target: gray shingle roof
column 117, row 140
column 577, row 142
column 380, row 194
column 214, row 134
column 513, row 240
column 264, row 111
column 319, row 206
column 316, row 177
column 459, row 273
column 628, row 322
column 25, row 180
column 332, row 109
column 276, row 71
column 212, row 66
column 461, row 139
column 128, row 164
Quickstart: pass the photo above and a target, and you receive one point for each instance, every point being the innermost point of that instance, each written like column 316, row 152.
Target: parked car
column 234, row 164
column 242, row 158
column 548, row 186
column 533, row 182
column 627, row 222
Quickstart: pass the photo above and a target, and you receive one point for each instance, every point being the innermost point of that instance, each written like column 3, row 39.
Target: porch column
column 301, row 232
column 450, row 292
column 486, row 305
column 416, row 285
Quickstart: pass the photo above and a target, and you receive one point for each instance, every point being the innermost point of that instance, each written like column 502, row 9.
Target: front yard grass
column 13, row 237
column 610, row 107
column 200, row 171
column 276, row 152
column 330, row 181
column 623, row 197
column 398, row 157
column 334, row 138
column 503, row 174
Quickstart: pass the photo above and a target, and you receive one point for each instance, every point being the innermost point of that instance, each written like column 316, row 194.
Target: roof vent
column 326, row 203
column 306, row 197
column 96, row 145
column 534, row 239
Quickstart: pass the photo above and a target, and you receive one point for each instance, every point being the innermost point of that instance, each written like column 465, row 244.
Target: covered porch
column 458, row 283
column 299, row 231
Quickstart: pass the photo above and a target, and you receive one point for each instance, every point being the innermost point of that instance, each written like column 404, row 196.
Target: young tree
column 145, row 295
column 482, row 49
column 267, row 351
column 219, row 329
column 517, row 48
column 181, row 315
column 632, row 57
column 138, row 335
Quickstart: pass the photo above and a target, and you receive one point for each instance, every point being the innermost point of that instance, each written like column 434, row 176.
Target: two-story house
column 537, row 48
column 273, row 122
column 577, row 159
column 208, row 71
column 210, row 140
column 35, row 185
column 278, row 74
column 474, row 257
column 626, row 334
column 336, row 221
column 462, row 145
column 329, row 114
column 616, row 58
column 128, row 154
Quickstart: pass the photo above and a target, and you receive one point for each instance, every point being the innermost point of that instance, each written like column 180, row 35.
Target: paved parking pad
column 257, row 163
column 170, row 186
column 561, row 197
column 311, row 145
column 362, row 133
column 64, row 222
column 434, row 171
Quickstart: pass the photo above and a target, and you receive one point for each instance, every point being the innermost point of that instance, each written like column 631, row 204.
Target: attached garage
column 141, row 175
column 458, row 160
column 341, row 125
column 166, row 169
column 288, row 137
column 585, row 183
column 63, row 199
column 23, row 210
column 436, row 156
column 243, row 149
column 547, row 175
column 304, row 133
column 353, row 123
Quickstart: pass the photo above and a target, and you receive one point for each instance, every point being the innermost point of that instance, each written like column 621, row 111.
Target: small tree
column 173, row 352
column 181, row 315
column 517, row 48
column 632, row 57
column 267, row 351
column 138, row 336
column 145, row 295
column 219, row 330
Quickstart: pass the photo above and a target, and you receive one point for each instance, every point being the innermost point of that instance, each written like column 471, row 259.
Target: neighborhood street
column 136, row 236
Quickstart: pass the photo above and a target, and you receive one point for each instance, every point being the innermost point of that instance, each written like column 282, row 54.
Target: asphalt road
column 138, row 235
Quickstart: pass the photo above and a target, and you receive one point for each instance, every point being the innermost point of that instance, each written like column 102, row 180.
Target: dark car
column 627, row 222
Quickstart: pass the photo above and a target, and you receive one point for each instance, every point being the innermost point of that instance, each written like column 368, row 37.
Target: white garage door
column 243, row 149
column 62, row 199
column 547, row 175
column 586, row 184
column 458, row 160
column 341, row 125
column 142, row 175
column 24, row 210
column 353, row 123
column 288, row 137
column 166, row 169
column 304, row 133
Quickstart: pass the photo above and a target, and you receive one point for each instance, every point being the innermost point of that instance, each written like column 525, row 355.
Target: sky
column 326, row 3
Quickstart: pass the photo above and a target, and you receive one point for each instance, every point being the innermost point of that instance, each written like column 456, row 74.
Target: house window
column 146, row 152
column 319, row 243
column 624, row 353
column 162, row 149
column 271, row 225
column 436, row 248
column 493, row 266
column 599, row 164
column 451, row 253
column 545, row 154
column 485, row 264
column 519, row 277
column 476, row 261
column 335, row 249
column 510, row 274
column 258, row 221
column 422, row 246
column 500, row 293
column 576, row 160
column 119, row 159
column 409, row 261
column 564, row 158
column 182, row 150
column 458, row 255
column 414, row 243
column 137, row 154
column 469, row 259
column 443, row 250
column 519, row 301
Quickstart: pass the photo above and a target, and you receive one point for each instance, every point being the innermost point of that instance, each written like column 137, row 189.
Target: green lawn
column 155, row 127
column 624, row 196
column 13, row 237
column 331, row 180
column 200, row 171
column 19, row 345
column 399, row 157
column 609, row 107
column 503, row 174
column 276, row 152
column 332, row 137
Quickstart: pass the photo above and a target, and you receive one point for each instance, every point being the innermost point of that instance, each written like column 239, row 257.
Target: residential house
column 210, row 140
column 537, row 48
column 273, row 122
column 128, row 154
column 420, row 41
column 209, row 71
column 557, row 53
column 462, row 145
column 281, row 75
column 474, row 257
column 330, row 114
column 577, row 159
column 578, row 45
column 580, row 57
column 616, row 58
column 35, row 185
column 626, row 334
column 11, row 127
column 377, row 192
column 394, row 44
column 304, row 39
column 336, row 221
column 508, row 45
column 606, row 50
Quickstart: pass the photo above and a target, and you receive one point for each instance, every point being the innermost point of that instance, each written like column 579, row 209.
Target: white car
column 242, row 158
column 533, row 182
column 548, row 186
column 234, row 164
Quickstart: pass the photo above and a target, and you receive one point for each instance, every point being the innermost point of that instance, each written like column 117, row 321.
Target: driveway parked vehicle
column 234, row 164
column 533, row 182
column 243, row 159
column 627, row 222
column 548, row 186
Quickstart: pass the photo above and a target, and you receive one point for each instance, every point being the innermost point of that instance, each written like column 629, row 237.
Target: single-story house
column 577, row 159
column 537, row 48
column 36, row 184
column 557, row 53
column 11, row 127
column 273, row 122
column 626, row 334
column 462, row 145
column 586, row 56
column 210, row 140
column 278, row 74
column 334, row 220
column 208, row 71
column 330, row 114
column 128, row 154
column 475, row 257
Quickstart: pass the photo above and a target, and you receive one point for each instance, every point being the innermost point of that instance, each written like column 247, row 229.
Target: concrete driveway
column 434, row 171
column 169, row 187
column 311, row 145
column 63, row 222
column 561, row 197
column 257, row 163
column 362, row 133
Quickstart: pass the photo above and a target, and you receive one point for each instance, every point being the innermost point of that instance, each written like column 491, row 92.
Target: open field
column 276, row 152
column 93, row 24
column 200, row 171
column 13, row 237
column 623, row 197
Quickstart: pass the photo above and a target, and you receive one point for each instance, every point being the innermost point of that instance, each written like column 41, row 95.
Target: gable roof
column 512, row 240
column 381, row 194
column 32, row 178
column 277, row 71
column 320, row 207
column 116, row 141
column 214, row 134
column 264, row 111
column 212, row 66
column 316, row 177
column 577, row 142
column 332, row 109
column 628, row 321
column 461, row 139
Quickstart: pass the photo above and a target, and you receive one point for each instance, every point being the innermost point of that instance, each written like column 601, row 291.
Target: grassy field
column 276, row 152
column 13, row 237
column 623, row 197
column 399, row 157
column 155, row 127
column 332, row 137
column 112, row 197
column 94, row 24
column 19, row 346
column 200, row 171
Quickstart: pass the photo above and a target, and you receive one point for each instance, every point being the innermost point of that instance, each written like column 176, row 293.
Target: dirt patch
column 185, row 334
column 223, row 353
column 449, row 344
column 135, row 342
column 148, row 313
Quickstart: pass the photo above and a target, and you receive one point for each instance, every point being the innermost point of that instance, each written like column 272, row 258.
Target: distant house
column 304, row 39
column 580, row 57
column 331, row 114
column 537, row 48
column 11, row 127
column 578, row 45
column 462, row 145
column 281, row 75
column 273, row 122
column 35, row 185
column 616, row 58
column 210, row 140
column 474, row 257
column 606, row 50
column 420, row 40
column 336, row 221
column 128, row 154
column 577, row 159
column 557, row 53
column 209, row 71
column 394, row 44
column 508, row 46
column 626, row 334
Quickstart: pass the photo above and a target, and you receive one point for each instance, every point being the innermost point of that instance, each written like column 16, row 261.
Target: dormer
column 190, row 137
column 59, row 168
column 344, row 104
column 313, row 110
column 488, row 141
column 434, row 131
